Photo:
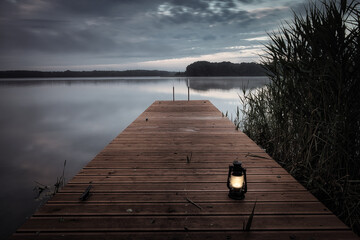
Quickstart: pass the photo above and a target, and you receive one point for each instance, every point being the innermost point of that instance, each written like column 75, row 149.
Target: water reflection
column 76, row 81
column 227, row 83
column 43, row 122
column 197, row 83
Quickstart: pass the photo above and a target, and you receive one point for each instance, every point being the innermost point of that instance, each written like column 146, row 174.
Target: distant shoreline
column 84, row 74
column 196, row 69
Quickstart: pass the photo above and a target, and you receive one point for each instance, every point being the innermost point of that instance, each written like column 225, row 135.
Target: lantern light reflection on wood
column 236, row 181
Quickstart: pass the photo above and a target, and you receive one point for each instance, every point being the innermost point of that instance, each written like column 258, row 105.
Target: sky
column 58, row 35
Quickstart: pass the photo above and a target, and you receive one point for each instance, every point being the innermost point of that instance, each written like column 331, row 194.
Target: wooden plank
column 180, row 197
column 227, row 158
column 178, row 223
column 213, row 235
column 115, row 170
column 179, row 187
column 180, row 130
column 226, row 161
column 183, row 165
column 178, row 209
column 181, row 147
column 219, row 178
column 220, row 156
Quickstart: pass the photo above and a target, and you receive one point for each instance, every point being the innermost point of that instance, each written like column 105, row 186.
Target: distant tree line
column 201, row 68
column 204, row 68
column 127, row 73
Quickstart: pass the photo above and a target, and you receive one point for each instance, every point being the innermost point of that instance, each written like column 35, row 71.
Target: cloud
column 261, row 38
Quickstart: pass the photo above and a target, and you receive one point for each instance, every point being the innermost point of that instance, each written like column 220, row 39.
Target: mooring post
column 188, row 85
column 173, row 93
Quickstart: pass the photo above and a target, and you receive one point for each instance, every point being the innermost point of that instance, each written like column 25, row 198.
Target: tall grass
column 308, row 117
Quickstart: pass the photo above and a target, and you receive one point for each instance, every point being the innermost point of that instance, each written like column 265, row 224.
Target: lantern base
column 236, row 195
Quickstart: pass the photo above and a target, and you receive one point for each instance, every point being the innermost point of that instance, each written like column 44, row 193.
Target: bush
column 308, row 117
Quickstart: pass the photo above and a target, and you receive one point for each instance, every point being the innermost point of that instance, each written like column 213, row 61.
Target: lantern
column 236, row 181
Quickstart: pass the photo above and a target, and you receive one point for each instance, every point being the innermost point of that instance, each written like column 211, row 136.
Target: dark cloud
column 251, row 1
column 54, row 36
column 217, row 12
column 196, row 5
column 209, row 37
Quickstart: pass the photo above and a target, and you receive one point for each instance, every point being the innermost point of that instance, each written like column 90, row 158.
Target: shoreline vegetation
column 308, row 116
column 197, row 69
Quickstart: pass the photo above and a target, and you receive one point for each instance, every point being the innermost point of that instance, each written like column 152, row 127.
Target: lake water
column 44, row 122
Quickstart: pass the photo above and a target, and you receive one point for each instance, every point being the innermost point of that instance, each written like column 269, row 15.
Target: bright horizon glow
column 241, row 54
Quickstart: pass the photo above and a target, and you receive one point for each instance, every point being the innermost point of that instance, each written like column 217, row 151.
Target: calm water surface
column 44, row 122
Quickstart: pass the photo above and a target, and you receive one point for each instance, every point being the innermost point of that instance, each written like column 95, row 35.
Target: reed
column 308, row 116
column 45, row 192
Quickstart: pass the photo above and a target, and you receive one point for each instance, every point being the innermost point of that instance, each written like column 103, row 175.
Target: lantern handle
column 245, row 189
column 228, row 179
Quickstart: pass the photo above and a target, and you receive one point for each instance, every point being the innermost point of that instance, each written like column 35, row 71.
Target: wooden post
column 173, row 93
column 188, row 85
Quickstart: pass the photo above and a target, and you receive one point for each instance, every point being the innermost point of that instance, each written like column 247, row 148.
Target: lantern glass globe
column 236, row 182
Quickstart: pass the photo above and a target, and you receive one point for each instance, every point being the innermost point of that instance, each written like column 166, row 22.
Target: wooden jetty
column 164, row 177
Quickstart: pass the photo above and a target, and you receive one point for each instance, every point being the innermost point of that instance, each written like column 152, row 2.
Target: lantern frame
column 237, row 170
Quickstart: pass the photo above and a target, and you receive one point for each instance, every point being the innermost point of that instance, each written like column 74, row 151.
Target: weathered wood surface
column 145, row 187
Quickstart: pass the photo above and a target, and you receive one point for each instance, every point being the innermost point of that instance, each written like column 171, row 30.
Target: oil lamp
column 236, row 181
